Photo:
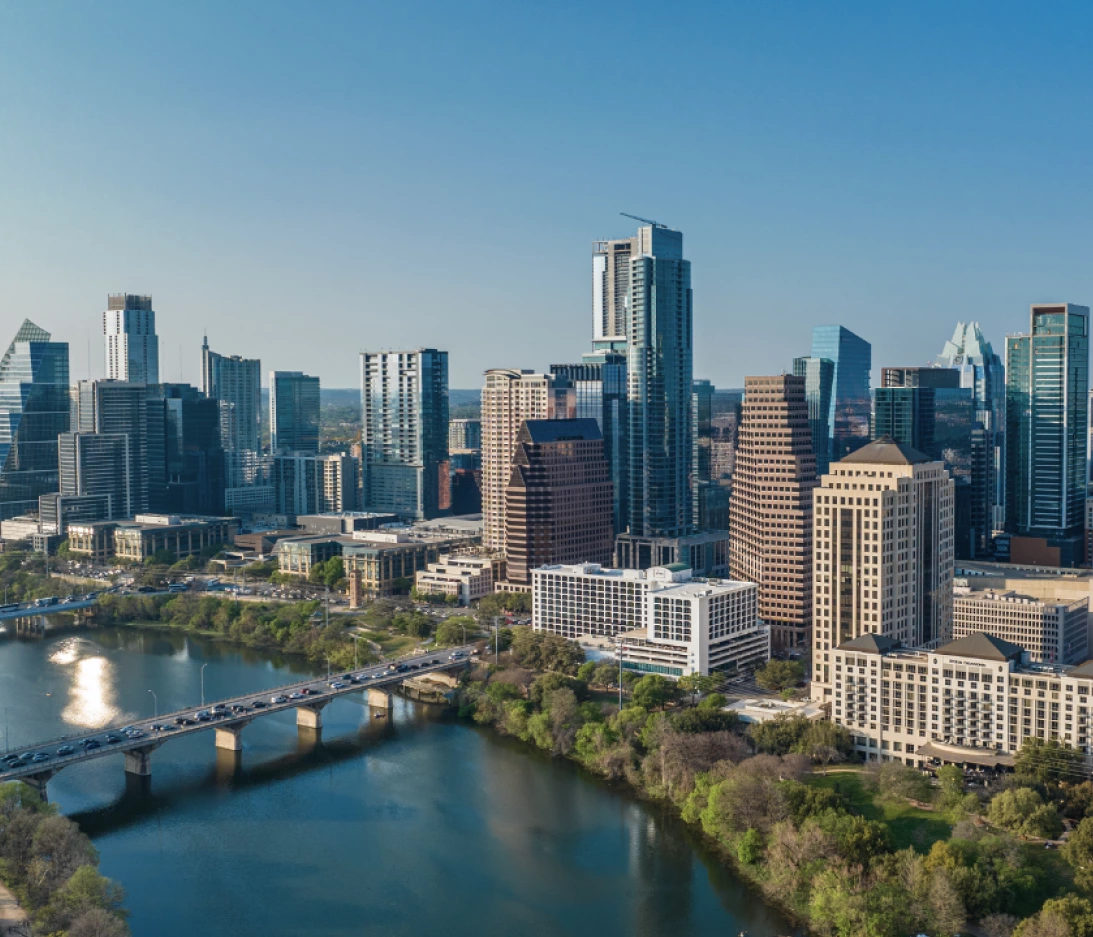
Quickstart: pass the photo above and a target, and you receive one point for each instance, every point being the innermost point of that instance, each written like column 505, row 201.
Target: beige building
column 973, row 702
column 1052, row 632
column 510, row 397
column 468, row 578
column 882, row 553
column 770, row 514
column 147, row 534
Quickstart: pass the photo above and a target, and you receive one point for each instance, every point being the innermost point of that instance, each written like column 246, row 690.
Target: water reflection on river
column 404, row 826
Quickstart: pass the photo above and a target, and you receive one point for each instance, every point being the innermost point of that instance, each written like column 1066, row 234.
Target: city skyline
column 913, row 203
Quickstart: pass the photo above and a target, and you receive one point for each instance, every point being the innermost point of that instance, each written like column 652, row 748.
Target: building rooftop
column 870, row 643
column 885, row 451
column 984, row 646
column 547, row 431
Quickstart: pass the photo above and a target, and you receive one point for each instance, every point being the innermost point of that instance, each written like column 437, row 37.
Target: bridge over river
column 37, row 764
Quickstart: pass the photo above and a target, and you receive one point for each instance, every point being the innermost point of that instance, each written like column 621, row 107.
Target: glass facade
column 1047, row 410
column 34, row 411
column 293, row 412
column 659, row 378
column 819, row 375
column 599, row 386
column 849, row 409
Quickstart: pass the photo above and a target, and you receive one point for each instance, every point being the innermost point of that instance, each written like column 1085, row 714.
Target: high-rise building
column 709, row 498
column 509, row 397
column 97, row 464
column 882, row 552
column 659, row 377
column 981, row 371
column 314, row 484
column 236, row 383
column 611, row 288
column 196, row 469
column 34, row 410
column 404, row 432
column 770, row 527
column 819, row 377
column 293, row 412
column 132, row 346
column 728, row 404
column 848, row 410
column 599, row 387
column 124, row 407
column 1047, row 401
column 464, row 434
column 558, row 504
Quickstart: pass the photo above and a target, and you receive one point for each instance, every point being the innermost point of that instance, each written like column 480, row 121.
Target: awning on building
column 963, row 754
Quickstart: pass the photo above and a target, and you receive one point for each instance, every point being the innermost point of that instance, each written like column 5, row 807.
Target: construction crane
column 655, row 224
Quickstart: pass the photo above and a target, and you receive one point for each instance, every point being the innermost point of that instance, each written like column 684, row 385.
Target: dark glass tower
column 819, row 375
column 34, row 411
column 848, row 411
column 1047, row 411
column 293, row 412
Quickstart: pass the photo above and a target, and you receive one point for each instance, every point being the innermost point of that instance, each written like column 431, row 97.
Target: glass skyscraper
column 34, row 411
column 1047, row 411
column 819, row 375
column 599, row 386
column 659, row 377
column 293, row 412
column 404, row 432
column 849, row 409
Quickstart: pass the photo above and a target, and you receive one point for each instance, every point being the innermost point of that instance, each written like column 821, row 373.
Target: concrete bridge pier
column 138, row 761
column 378, row 699
column 310, row 716
column 229, row 737
column 38, row 783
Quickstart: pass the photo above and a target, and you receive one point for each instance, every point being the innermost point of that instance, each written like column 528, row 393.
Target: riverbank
column 11, row 913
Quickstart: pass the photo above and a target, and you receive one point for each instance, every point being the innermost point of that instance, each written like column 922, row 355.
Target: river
column 417, row 824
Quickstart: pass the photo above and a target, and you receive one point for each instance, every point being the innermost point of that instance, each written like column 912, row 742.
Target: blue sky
column 309, row 180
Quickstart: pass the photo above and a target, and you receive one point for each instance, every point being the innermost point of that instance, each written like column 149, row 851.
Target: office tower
column 709, row 499
column 314, row 484
column 34, row 409
column 132, row 346
column 848, row 410
column 981, row 371
column 727, row 410
column 464, row 434
column 236, row 382
column 404, row 432
column 293, row 412
column 558, row 504
column 509, row 397
column 882, row 551
column 599, row 387
column 907, row 415
column 1053, row 631
column 97, row 464
column 611, row 288
column 1047, row 400
column 659, row 378
column 819, row 377
column 770, row 528
column 196, row 465
column 122, row 407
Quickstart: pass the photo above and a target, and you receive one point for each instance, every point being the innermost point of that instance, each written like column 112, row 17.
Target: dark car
column 258, row 704
column 111, row 739
column 91, row 743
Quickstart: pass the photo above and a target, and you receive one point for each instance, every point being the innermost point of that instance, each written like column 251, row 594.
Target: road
column 319, row 690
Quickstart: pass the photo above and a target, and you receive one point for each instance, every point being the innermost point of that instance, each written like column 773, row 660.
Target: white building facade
column 1052, row 632
column 132, row 346
column 665, row 621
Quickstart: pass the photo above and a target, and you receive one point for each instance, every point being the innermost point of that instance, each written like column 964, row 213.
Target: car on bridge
column 279, row 699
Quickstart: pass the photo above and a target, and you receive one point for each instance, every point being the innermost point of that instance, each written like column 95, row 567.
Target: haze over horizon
column 395, row 176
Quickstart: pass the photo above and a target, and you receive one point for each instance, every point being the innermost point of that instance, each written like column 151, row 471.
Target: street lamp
column 155, row 701
column 203, row 666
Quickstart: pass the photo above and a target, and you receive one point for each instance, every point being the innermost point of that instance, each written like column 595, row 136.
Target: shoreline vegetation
column 845, row 851
column 51, row 867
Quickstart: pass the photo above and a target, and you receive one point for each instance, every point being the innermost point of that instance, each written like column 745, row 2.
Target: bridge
column 37, row 764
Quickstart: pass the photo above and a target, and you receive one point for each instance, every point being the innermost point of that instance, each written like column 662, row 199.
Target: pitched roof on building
column 985, row 646
column 873, row 643
column 886, row 451
column 544, row 431
column 1084, row 669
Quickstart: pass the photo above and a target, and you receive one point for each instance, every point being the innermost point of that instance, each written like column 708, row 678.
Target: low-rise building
column 344, row 522
column 297, row 555
column 751, row 711
column 19, row 528
column 377, row 568
column 147, row 534
column 467, row 578
column 92, row 539
column 665, row 620
column 974, row 701
column 1051, row 631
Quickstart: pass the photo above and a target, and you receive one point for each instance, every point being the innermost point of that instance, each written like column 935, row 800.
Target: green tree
column 586, row 671
column 749, row 848
column 778, row 736
column 696, row 683
column 1022, row 811
column 1047, row 761
column 824, row 741
column 455, row 629
column 654, row 691
column 1078, row 852
column 780, row 674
